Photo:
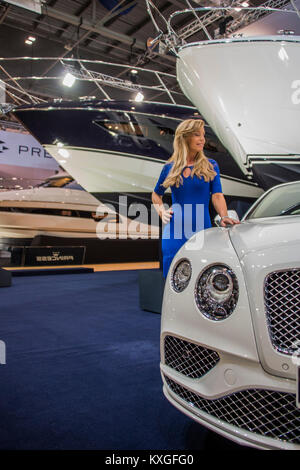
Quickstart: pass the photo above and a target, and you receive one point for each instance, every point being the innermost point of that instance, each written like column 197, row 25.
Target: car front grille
column 282, row 304
column 188, row 358
column 264, row 412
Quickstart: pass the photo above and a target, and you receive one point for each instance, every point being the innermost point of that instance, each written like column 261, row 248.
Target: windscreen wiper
column 290, row 209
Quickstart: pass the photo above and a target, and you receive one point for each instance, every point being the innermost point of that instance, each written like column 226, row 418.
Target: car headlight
column 181, row 275
column 217, row 292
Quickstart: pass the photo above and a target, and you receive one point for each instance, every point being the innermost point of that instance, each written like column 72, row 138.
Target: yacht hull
column 23, row 161
column 248, row 90
column 127, row 179
column 117, row 149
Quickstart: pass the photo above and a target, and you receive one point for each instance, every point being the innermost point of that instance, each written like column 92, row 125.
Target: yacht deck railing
column 243, row 16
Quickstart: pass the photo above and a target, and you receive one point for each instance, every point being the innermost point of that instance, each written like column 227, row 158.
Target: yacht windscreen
column 134, row 129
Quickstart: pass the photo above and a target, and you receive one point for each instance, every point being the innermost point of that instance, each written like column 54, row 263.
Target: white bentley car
column 230, row 332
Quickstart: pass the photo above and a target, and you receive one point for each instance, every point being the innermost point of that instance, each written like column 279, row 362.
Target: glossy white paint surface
column 264, row 246
column 74, row 197
column 26, row 225
column 100, row 171
column 265, row 235
column 248, row 89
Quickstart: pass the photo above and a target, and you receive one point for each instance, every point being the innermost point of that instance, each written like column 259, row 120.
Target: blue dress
column 190, row 204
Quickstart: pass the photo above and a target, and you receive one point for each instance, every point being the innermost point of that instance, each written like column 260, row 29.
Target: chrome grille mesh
column 188, row 358
column 265, row 412
column 282, row 303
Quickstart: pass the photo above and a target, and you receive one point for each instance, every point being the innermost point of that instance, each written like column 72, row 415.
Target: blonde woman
column 194, row 180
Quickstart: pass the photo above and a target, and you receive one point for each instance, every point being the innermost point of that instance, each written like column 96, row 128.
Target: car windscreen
column 282, row 200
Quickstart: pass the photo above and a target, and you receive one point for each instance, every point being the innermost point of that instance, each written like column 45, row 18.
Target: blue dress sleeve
column 215, row 184
column 159, row 189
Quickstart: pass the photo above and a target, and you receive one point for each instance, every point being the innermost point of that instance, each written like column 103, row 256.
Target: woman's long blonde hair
column 202, row 167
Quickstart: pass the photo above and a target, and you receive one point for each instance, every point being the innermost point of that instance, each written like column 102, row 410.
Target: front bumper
column 232, row 396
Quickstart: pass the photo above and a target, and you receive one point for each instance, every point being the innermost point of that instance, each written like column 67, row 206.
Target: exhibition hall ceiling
column 90, row 29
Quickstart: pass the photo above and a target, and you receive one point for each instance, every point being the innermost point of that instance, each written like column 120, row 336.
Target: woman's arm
column 220, row 205
column 165, row 214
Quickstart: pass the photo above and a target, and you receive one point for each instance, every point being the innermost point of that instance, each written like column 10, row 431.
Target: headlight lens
column 181, row 275
column 217, row 292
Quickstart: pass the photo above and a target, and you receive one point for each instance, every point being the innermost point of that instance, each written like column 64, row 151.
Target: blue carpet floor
column 82, row 369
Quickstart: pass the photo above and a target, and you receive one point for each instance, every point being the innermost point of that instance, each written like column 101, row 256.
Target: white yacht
column 249, row 94
column 247, row 85
column 60, row 212
column 118, row 148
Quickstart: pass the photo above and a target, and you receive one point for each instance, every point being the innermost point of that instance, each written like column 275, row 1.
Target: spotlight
column 30, row 40
column 133, row 75
column 69, row 79
column 139, row 97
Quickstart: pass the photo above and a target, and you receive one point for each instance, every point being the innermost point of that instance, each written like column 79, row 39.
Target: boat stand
column 5, row 278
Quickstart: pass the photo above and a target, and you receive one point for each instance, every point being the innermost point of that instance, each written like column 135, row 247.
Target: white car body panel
column 252, row 241
column 199, row 328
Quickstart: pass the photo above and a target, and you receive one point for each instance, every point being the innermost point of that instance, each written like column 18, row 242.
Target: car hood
column 259, row 235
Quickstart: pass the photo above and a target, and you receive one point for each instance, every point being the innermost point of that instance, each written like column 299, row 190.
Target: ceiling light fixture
column 30, row 40
column 69, row 80
column 139, row 97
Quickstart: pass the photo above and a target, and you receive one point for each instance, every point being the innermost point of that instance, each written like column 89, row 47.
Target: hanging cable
column 296, row 8
column 149, row 4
